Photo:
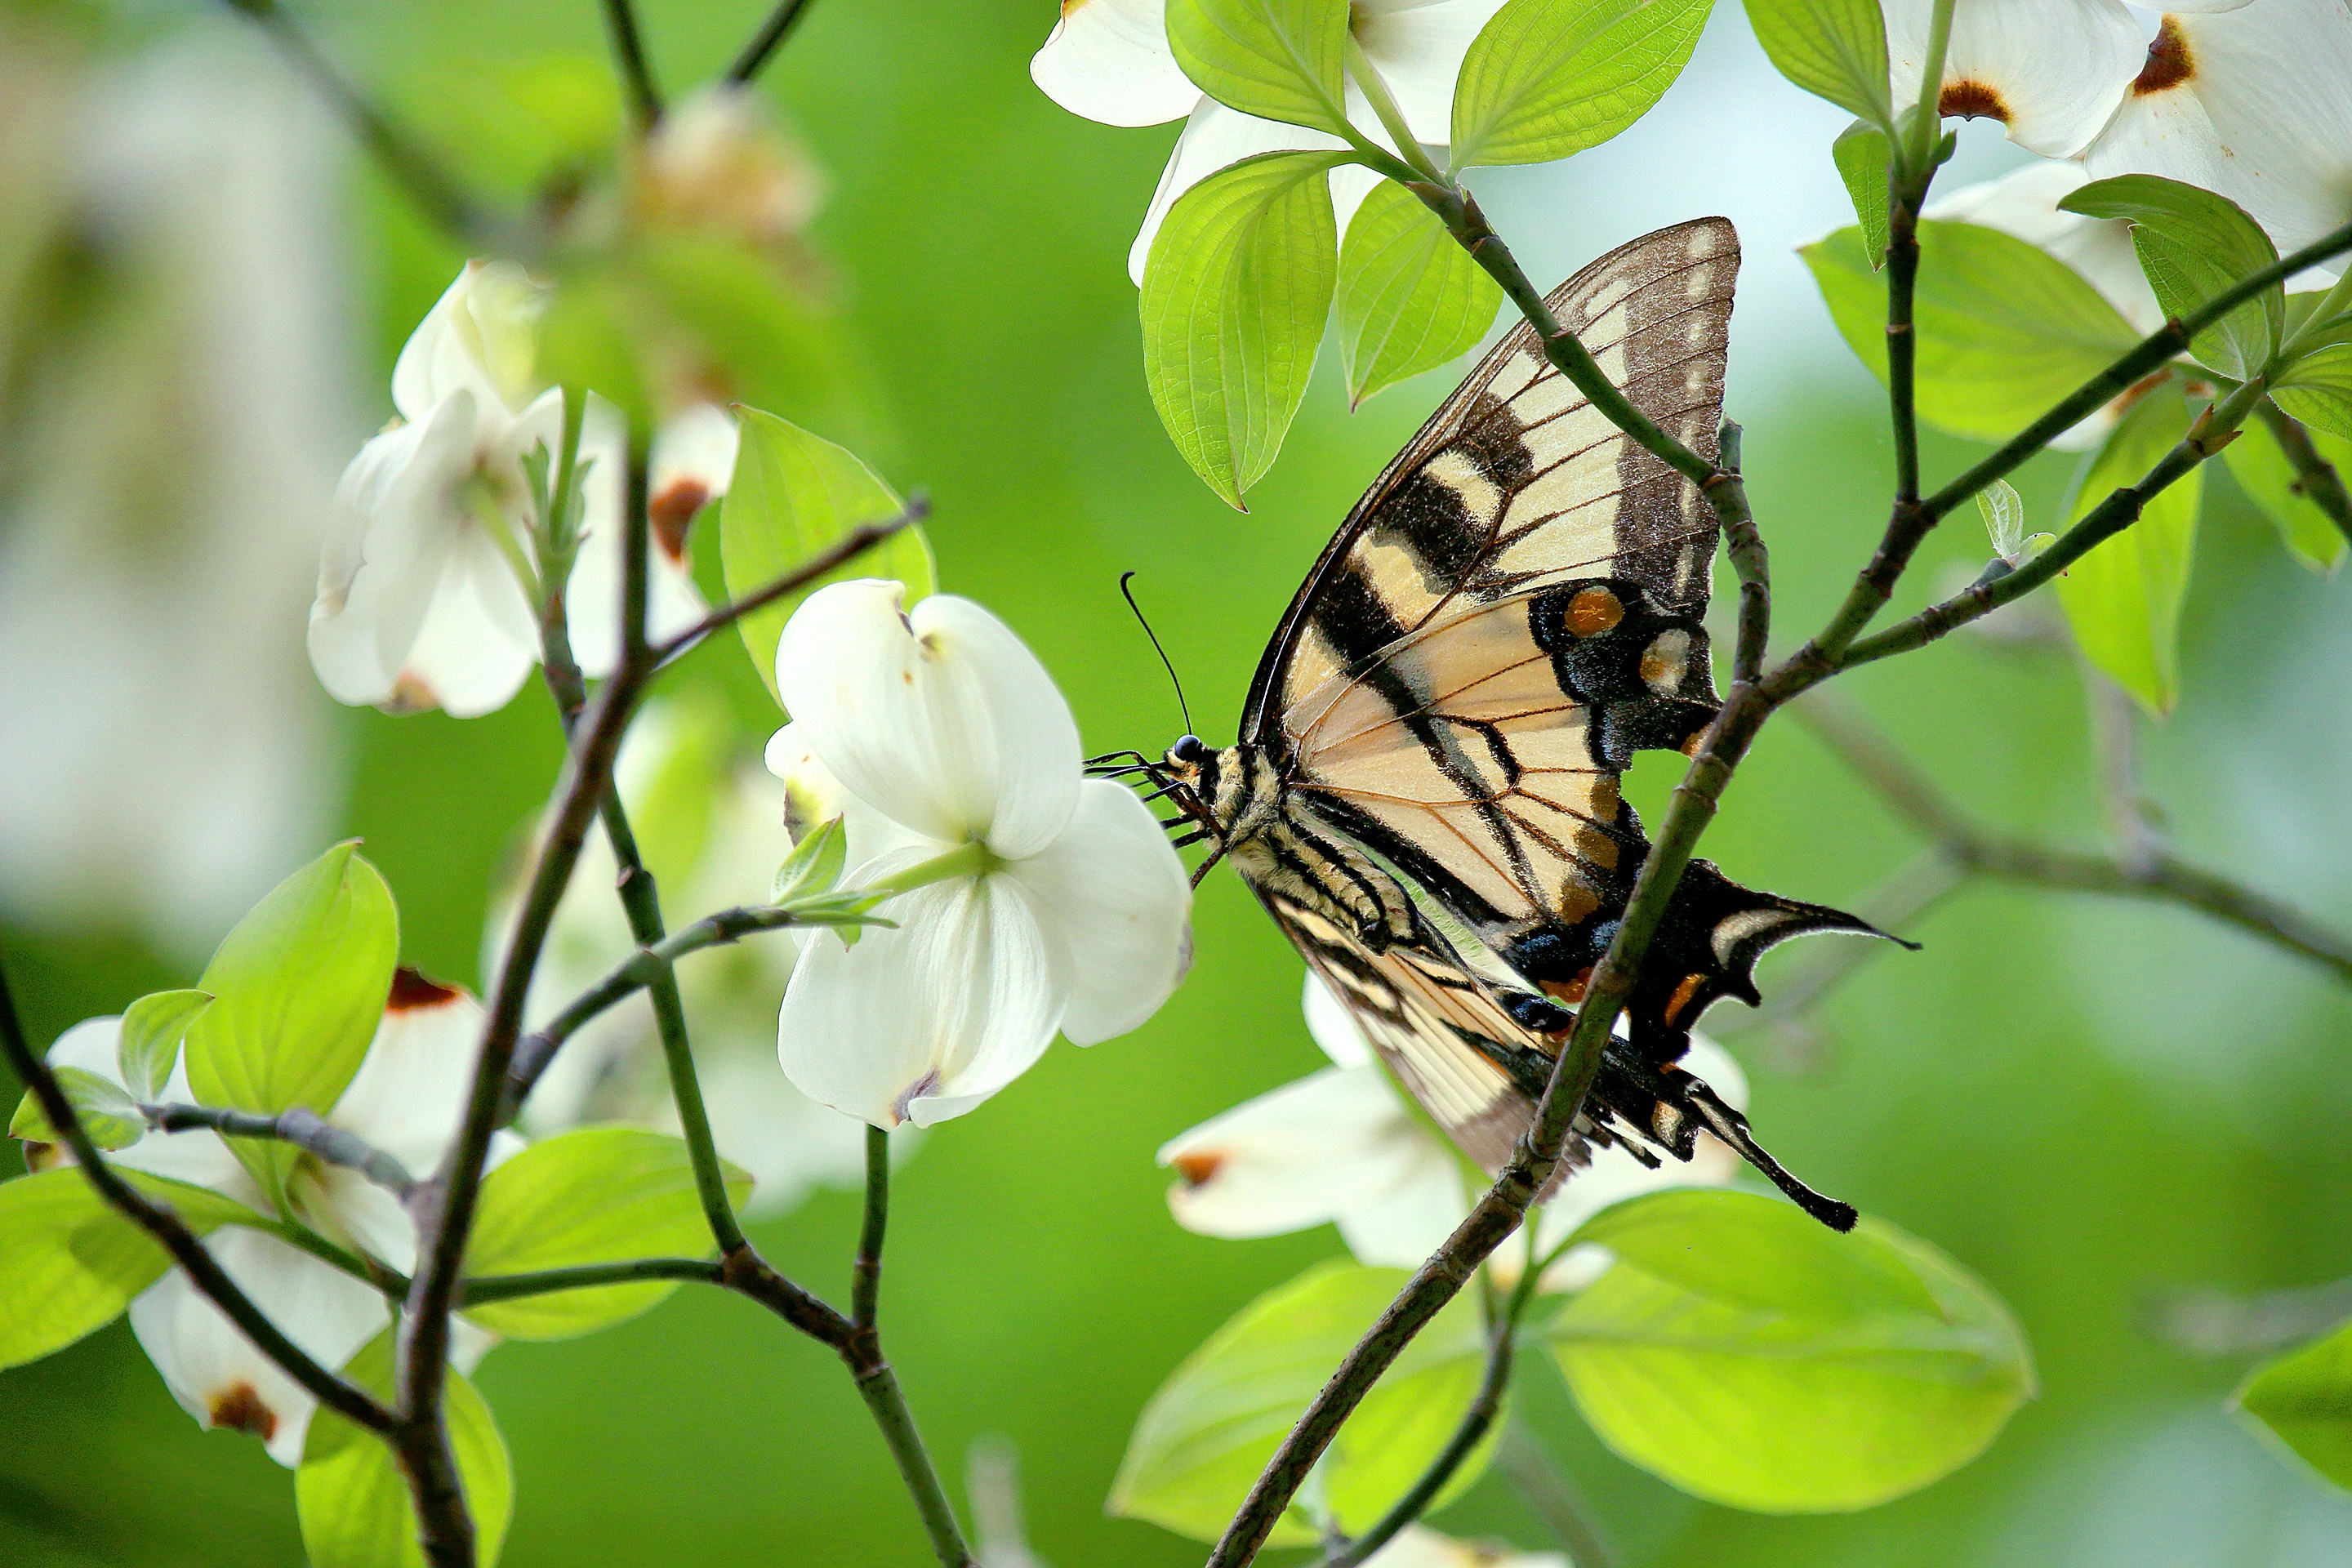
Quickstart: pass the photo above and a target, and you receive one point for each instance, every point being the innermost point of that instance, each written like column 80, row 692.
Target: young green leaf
column 2193, row 245
column 107, row 1114
column 153, row 1027
column 1753, row 1357
column 1832, row 48
column 599, row 1195
column 1545, row 78
column 350, row 1494
column 1278, row 59
column 2004, row 519
column 69, row 1264
column 299, row 986
column 2005, row 330
column 1203, row 1438
column 2271, row 482
column 1861, row 153
column 2317, row 387
column 815, row 865
column 793, row 495
column 1409, row 298
column 2305, row 1399
column 2124, row 598
column 1235, row 296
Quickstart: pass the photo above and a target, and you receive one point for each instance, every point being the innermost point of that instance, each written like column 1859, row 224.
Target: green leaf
column 1205, row 1435
column 1832, row 48
column 1409, row 298
column 108, row 1115
column 1278, row 59
column 299, row 986
column 2194, row 246
column 2124, row 598
column 2305, row 1399
column 2269, row 480
column 599, row 1195
column 1861, row 155
column 2317, row 388
column 2003, row 510
column 1545, row 78
column 792, row 496
column 69, row 1264
column 1753, row 1357
column 350, row 1498
column 153, row 1027
column 814, row 866
column 1235, row 296
column 2005, row 330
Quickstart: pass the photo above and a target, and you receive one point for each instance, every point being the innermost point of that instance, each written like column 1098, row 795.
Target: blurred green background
column 2087, row 1103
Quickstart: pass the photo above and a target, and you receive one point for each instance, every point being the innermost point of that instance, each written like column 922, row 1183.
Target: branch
column 302, row 1127
column 157, row 1219
column 851, row 545
column 1752, row 562
column 2158, row 876
column 479, row 1289
column 765, row 42
column 634, row 972
column 430, row 186
column 2316, row 479
column 865, row 1286
column 629, row 60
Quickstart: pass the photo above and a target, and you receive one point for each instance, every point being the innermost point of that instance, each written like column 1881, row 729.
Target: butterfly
column 1426, row 790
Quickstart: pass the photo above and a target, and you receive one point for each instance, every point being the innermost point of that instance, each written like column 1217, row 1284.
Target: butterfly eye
column 1188, row 751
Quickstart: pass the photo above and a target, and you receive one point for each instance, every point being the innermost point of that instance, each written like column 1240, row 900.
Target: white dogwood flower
column 1031, row 901
column 2253, row 101
column 714, row 835
column 1109, row 61
column 1418, row 1546
column 1342, row 1147
column 406, row 1100
column 421, row 601
column 2050, row 71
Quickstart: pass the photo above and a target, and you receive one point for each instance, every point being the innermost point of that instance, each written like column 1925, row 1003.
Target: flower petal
column 1418, row 1546
column 693, row 462
column 395, row 520
column 411, row 1088
column 788, row 1141
column 1417, row 46
column 213, row 1371
column 2251, row 104
column 478, row 642
column 941, row 719
column 923, row 1022
column 1114, row 893
column 1333, row 1145
column 476, row 338
column 812, row 796
column 95, row 1046
column 1334, row 1027
column 1214, row 137
column 2051, row 70
column 1109, row 60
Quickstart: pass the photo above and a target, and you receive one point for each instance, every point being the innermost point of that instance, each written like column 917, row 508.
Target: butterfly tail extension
column 1732, row 1128
column 1672, row 1105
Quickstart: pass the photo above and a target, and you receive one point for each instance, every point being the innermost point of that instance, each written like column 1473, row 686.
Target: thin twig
column 303, row 1129
column 865, row 1279
column 765, row 42
column 480, row 1290
column 851, row 545
column 2315, row 480
column 430, row 186
column 2159, row 876
column 629, row 60
column 157, row 1219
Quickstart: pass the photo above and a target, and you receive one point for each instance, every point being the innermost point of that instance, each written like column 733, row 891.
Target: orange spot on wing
column 1682, row 997
column 1593, row 611
column 1570, row 990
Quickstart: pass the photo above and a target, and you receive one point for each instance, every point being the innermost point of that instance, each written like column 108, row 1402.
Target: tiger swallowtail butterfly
column 1425, row 792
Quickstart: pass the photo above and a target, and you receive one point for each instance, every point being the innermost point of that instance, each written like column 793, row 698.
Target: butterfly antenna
column 1181, row 706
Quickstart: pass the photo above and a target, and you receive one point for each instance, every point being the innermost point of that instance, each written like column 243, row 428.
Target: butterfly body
column 1426, row 790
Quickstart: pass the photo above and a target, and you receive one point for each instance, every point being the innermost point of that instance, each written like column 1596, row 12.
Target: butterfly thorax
column 1241, row 795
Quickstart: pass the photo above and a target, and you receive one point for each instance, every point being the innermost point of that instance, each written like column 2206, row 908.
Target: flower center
column 239, row 1408
column 2169, row 61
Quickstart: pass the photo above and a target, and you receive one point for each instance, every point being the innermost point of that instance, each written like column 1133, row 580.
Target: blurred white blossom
column 1343, row 1147
column 408, row 1100
column 1109, row 61
column 1036, row 900
column 421, row 599
column 1418, row 1546
column 713, row 834
column 170, row 447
